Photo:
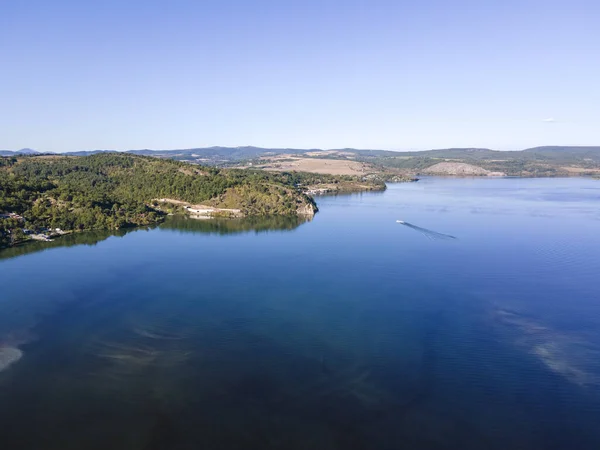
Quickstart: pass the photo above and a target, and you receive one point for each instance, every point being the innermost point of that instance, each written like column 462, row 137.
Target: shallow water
column 350, row 331
column 9, row 356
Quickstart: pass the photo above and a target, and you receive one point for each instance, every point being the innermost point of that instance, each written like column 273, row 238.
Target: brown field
column 316, row 165
column 580, row 170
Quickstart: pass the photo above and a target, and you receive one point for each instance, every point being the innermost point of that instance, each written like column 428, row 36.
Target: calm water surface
column 350, row 331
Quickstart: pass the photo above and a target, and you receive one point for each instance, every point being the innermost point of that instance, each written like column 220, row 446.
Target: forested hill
column 115, row 190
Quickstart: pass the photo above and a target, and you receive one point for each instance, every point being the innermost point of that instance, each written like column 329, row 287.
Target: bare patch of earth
column 459, row 169
column 580, row 170
column 286, row 163
column 191, row 171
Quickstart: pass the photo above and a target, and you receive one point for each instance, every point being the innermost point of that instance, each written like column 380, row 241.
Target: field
column 286, row 163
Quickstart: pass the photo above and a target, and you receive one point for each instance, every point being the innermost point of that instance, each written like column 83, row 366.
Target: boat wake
column 429, row 234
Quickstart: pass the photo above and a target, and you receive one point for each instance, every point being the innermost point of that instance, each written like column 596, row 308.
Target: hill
column 533, row 162
column 537, row 161
column 115, row 190
column 23, row 151
column 565, row 154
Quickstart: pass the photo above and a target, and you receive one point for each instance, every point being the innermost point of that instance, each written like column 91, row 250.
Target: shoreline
column 207, row 212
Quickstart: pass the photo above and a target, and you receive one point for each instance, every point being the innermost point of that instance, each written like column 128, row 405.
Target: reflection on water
column 179, row 223
column 69, row 240
column 233, row 226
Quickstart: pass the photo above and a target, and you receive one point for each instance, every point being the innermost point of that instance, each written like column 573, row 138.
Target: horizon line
column 29, row 149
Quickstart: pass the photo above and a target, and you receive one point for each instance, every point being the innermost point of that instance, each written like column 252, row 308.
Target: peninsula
column 46, row 195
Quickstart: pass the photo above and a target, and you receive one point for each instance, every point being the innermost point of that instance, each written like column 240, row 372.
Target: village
column 39, row 234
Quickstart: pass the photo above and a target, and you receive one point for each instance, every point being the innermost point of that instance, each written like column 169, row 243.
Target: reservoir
column 477, row 327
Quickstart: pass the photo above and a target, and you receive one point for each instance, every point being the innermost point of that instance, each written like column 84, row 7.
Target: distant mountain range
column 249, row 152
column 23, row 151
column 537, row 161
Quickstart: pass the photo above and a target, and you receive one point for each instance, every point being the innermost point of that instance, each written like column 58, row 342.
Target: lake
column 473, row 325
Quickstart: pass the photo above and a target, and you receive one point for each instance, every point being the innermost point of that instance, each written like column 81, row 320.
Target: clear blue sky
column 80, row 75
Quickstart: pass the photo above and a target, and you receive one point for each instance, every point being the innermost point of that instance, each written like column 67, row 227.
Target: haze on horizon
column 377, row 74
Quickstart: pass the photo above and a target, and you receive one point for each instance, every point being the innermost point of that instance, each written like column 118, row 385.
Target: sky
column 377, row 74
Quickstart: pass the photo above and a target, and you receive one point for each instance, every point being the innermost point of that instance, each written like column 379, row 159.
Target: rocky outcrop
column 459, row 169
column 307, row 209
